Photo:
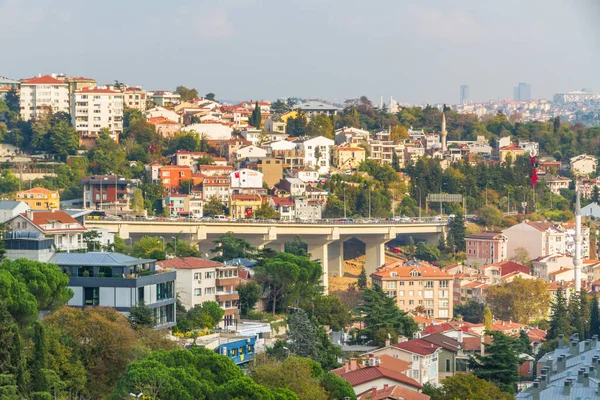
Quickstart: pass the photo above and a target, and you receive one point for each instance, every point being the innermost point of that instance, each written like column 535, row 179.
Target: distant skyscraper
column 522, row 92
column 464, row 94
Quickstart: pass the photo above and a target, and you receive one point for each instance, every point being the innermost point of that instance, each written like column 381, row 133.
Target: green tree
column 490, row 216
column 249, row 294
column 472, row 311
column 21, row 304
column 487, row 319
column 327, row 352
column 137, row 203
column 594, row 317
column 39, row 363
column 91, row 239
column 395, row 162
column 205, row 160
column 320, row 125
column 304, row 381
column 213, row 207
column 302, row 335
column 336, row 387
column 265, row 211
column 520, row 300
column 186, row 94
column 13, row 101
column 329, row 310
column 255, row 119
column 362, row 279
column 297, row 247
column 296, row 127
column 381, row 311
column 458, row 231
column 64, row 140
column 427, row 252
column 149, row 246
column 11, row 350
column 500, row 363
column 140, row 315
column 411, row 247
column 466, row 386
column 595, row 195
column 107, row 156
column 279, row 107
column 206, row 315
column 523, row 344
column 229, row 246
column 210, row 96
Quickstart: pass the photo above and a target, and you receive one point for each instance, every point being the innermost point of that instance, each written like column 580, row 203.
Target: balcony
column 228, row 295
column 233, row 281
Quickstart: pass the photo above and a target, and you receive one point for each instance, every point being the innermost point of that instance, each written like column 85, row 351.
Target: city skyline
column 246, row 49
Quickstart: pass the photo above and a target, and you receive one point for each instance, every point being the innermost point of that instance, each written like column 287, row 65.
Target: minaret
column 444, row 132
column 577, row 261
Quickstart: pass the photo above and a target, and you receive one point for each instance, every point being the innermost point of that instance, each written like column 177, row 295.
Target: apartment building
column 77, row 83
column 135, row 97
column 172, row 175
column 317, row 152
column 486, row 248
column 538, row 238
column 93, row 109
column 39, row 198
column 164, row 98
column 583, row 165
column 40, row 95
column 348, row 156
column 109, row 193
column 200, row 280
column 414, row 284
column 119, row 281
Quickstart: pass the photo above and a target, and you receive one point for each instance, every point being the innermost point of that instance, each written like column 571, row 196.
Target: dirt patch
column 352, row 270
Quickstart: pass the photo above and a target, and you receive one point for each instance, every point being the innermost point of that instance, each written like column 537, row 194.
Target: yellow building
column 39, row 198
column 244, row 205
column 513, row 150
column 289, row 114
column 348, row 157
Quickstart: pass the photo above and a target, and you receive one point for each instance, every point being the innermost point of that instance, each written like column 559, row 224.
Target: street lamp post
column 344, row 201
column 163, row 242
column 418, row 187
column 175, row 238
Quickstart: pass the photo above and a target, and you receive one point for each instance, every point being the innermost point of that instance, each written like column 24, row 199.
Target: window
column 443, row 294
column 443, row 304
column 429, row 294
column 443, row 313
column 429, row 284
column 390, row 285
column 401, row 293
column 209, row 275
column 415, row 374
column 401, row 302
column 38, row 203
column 164, row 290
column 448, row 366
column 411, row 293
column 209, row 291
column 444, row 284
column 411, row 302
column 411, row 284
column 91, row 296
column 415, row 358
column 198, row 292
column 198, row 276
column 401, row 283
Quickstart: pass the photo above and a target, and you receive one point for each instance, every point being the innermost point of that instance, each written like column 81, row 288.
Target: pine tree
column 302, row 335
column 40, row 359
column 559, row 320
column 595, row 194
column 362, row 279
column 17, row 358
column 411, row 246
column 585, row 311
column 442, row 243
column 594, row 317
column 395, row 162
column 576, row 319
column 458, row 231
column 500, row 363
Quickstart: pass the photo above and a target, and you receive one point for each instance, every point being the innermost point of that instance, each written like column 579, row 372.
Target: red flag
column 248, row 212
column 534, row 175
column 237, row 174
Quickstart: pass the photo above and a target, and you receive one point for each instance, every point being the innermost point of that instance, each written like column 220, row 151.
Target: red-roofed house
column 42, row 94
column 285, row 206
column 371, row 373
column 422, row 355
column 165, row 127
column 496, row 272
column 172, row 175
column 66, row 231
column 393, row 392
column 200, row 280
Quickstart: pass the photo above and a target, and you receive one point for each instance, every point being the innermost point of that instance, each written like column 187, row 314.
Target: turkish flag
column 248, row 212
column 237, row 174
column 534, row 175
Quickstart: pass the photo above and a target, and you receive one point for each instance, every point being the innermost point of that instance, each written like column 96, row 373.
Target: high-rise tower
column 577, row 260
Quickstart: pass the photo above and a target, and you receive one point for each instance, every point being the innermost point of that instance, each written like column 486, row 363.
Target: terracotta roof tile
column 393, row 392
column 43, row 80
column 188, row 263
column 417, row 346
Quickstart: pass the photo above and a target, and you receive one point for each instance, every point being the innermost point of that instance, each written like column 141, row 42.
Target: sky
column 414, row 50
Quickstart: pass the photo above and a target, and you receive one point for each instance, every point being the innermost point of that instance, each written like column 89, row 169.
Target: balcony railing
column 228, row 295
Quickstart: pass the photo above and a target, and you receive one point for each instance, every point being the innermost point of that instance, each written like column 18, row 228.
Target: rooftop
column 411, row 270
column 97, row 259
column 418, row 346
column 188, row 263
column 43, row 80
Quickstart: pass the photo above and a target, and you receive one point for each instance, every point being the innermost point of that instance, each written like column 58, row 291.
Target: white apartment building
column 95, row 109
column 200, row 280
column 246, row 178
column 135, row 97
column 42, row 94
column 538, row 238
column 317, row 152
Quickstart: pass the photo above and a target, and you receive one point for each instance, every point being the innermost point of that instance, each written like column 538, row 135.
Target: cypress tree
column 458, row 231
column 577, row 323
column 487, row 319
column 584, row 312
column 395, row 162
column 362, row 279
column 256, row 117
column 594, row 317
column 559, row 321
column 40, row 359
column 17, row 359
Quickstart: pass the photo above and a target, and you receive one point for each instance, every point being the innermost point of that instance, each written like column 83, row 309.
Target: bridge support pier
column 318, row 250
column 335, row 251
column 277, row 246
column 374, row 252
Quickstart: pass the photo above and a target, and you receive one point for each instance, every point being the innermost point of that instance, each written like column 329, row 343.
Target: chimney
column 561, row 363
column 385, row 386
column 580, row 373
column 387, row 342
column 459, row 337
column 561, row 341
column 353, row 365
column 29, row 214
column 347, row 366
column 535, row 391
column 587, row 345
column 374, row 391
column 574, row 350
column 567, row 388
column 542, row 383
column 593, row 371
column 586, row 379
column 594, row 341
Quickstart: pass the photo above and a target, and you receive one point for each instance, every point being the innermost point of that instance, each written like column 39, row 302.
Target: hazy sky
column 415, row 50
